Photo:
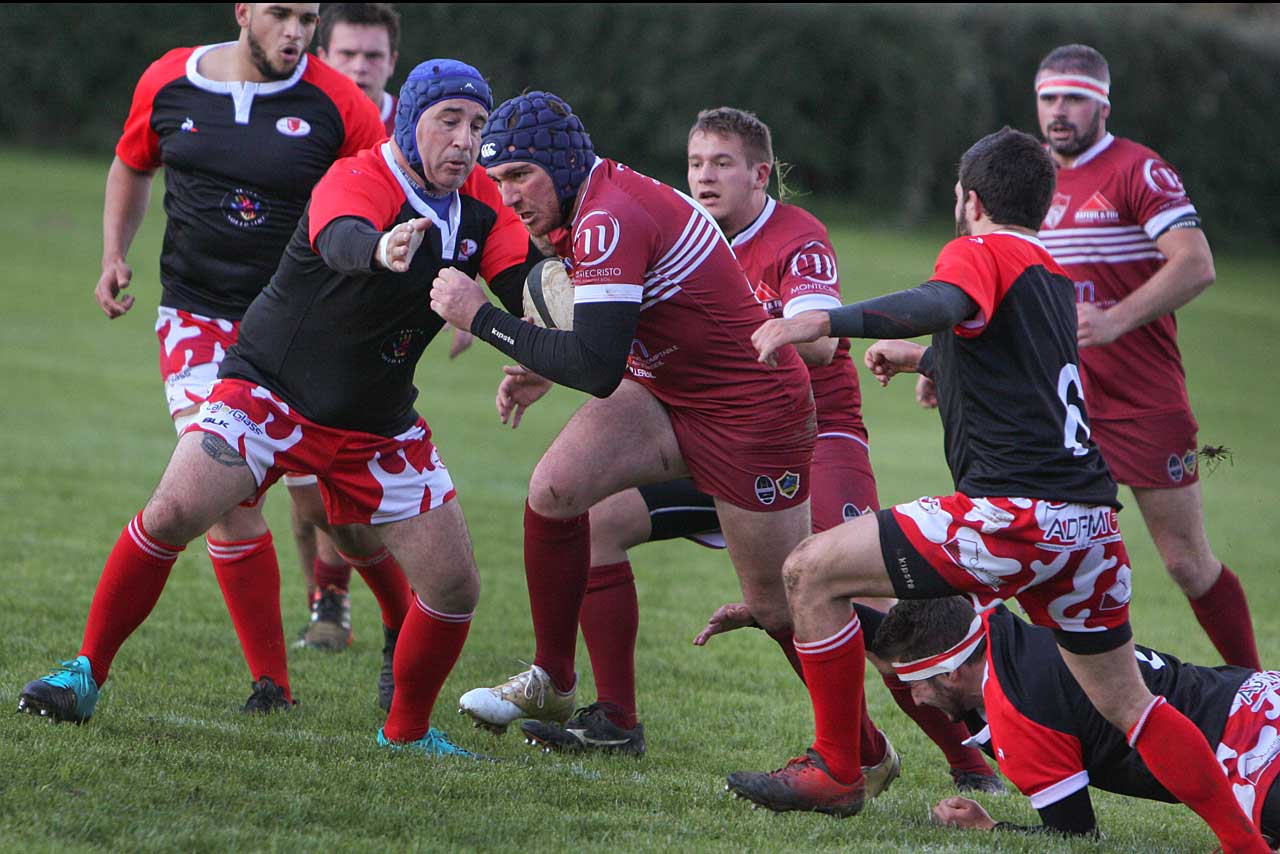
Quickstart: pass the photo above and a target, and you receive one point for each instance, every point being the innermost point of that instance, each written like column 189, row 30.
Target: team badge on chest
column 293, row 126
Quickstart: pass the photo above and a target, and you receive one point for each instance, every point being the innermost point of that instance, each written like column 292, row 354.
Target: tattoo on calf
column 221, row 452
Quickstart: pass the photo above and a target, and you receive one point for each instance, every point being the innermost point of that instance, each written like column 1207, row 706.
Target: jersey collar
column 1094, row 150
column 448, row 230
column 770, row 205
column 388, row 103
column 242, row 92
column 1035, row 241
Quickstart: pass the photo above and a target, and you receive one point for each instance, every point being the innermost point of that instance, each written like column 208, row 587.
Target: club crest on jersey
column 815, row 263
column 1176, row 470
column 245, row 208
column 789, row 484
column 1057, row 210
column 1161, row 178
column 1097, row 209
column 293, row 126
column 766, row 491
column 596, row 237
column 402, row 346
column 467, row 248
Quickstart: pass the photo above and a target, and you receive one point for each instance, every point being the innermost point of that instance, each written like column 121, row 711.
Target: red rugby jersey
column 635, row 239
column 1109, row 208
column 787, row 256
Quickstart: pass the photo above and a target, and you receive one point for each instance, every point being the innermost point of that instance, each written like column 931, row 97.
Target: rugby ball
column 548, row 295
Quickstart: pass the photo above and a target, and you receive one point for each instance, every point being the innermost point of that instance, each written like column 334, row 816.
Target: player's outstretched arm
column 520, row 388
column 127, row 195
column 1071, row 816
column 727, row 618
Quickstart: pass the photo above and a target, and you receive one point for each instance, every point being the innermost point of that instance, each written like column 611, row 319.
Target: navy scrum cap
column 539, row 127
column 431, row 82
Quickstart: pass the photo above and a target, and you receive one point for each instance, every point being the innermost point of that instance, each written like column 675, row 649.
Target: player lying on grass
column 1034, row 512
column 662, row 324
column 1008, row 682
column 788, row 258
column 348, row 305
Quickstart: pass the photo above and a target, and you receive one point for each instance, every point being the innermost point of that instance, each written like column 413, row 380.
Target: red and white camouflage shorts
column 1250, row 742
column 1066, row 564
column 363, row 477
column 192, row 347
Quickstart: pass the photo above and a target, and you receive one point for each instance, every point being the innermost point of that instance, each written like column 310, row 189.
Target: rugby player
column 1007, row 680
column 1034, row 512
column 195, row 112
column 788, row 258
column 662, row 314
column 349, row 304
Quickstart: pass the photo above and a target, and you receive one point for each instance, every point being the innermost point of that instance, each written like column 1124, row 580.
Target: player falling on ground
column 662, row 320
column 349, row 303
column 1034, row 514
column 196, row 111
column 787, row 255
column 1008, row 681
column 1123, row 228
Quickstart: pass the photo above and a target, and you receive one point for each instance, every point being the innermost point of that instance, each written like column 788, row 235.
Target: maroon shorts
column 760, row 464
column 1250, row 744
column 843, row 483
column 1065, row 563
column 1151, row 452
column 191, row 349
column 364, row 478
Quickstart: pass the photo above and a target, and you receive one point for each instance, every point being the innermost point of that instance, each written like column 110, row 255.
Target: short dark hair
column 1013, row 176
column 1077, row 58
column 757, row 142
column 918, row 628
column 364, row 14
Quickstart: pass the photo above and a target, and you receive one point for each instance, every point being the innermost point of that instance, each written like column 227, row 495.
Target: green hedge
column 873, row 103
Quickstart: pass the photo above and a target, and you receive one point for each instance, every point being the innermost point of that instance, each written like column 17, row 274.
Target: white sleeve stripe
column 809, row 302
column 1060, row 790
column 607, row 293
column 1163, row 220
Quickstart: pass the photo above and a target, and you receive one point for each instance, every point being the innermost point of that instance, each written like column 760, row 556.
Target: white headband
column 947, row 661
column 1075, row 84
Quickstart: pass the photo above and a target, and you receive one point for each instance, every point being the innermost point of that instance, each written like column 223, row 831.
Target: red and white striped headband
column 1075, row 84
column 947, row 661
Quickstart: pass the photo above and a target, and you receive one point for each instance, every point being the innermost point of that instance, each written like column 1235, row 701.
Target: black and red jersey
column 342, row 348
column 240, row 161
column 1013, row 414
column 1049, row 739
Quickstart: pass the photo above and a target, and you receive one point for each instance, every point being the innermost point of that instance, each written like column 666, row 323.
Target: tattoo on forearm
column 222, row 453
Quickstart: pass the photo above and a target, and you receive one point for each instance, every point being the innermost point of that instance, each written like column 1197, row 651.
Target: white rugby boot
column 530, row 694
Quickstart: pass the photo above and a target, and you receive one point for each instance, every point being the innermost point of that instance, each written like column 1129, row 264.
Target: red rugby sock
column 941, row 730
column 610, row 620
column 337, row 575
column 429, row 645
column 1224, row 614
column 390, row 586
column 833, row 670
column 130, row 585
column 557, row 558
column 1178, row 755
column 249, row 576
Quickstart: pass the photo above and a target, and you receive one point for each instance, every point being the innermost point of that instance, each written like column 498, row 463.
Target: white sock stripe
column 364, row 561
column 835, row 641
column 442, row 617
column 230, row 552
column 148, row 545
column 1156, row 702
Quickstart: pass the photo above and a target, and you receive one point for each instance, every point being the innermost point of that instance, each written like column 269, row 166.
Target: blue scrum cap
column 539, row 127
column 431, row 82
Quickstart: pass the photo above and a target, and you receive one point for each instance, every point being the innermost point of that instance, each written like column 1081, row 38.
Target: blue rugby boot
column 434, row 743
column 67, row 694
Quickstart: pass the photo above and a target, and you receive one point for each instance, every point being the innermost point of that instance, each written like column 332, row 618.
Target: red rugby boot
column 804, row 783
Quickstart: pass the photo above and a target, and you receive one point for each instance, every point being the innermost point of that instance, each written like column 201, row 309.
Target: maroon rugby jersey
column 239, row 161
column 387, row 112
column 1109, row 208
column 787, row 255
column 635, row 239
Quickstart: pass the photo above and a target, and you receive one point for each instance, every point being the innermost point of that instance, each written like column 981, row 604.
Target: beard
column 962, row 225
column 258, row 55
column 1080, row 142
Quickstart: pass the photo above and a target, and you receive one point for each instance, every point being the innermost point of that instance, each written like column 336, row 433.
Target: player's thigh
column 759, row 543
column 608, row 445
column 1112, row 682
column 844, row 562
column 618, row 523
column 204, row 480
column 306, row 500
column 434, row 548
column 242, row 522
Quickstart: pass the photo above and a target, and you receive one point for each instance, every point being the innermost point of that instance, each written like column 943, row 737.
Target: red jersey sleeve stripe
column 139, row 145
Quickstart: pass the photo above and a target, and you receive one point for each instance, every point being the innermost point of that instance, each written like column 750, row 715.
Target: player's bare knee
column 555, row 497
column 1193, row 575
column 169, row 522
column 768, row 609
column 800, row 569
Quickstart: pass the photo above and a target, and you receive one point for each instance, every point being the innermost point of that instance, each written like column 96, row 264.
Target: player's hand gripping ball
column 548, row 295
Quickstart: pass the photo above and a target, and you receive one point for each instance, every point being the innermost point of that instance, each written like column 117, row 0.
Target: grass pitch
column 168, row 763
